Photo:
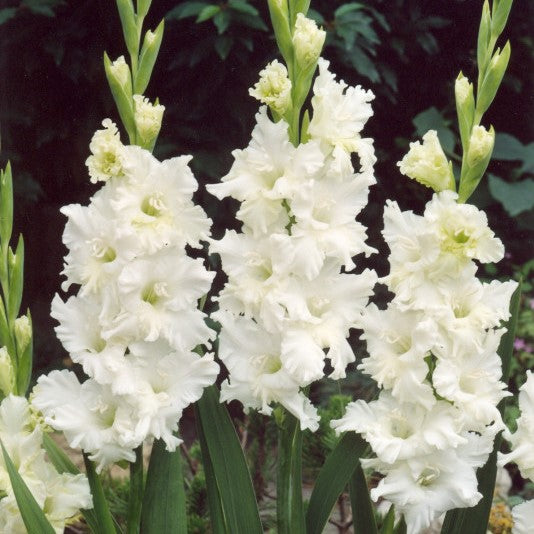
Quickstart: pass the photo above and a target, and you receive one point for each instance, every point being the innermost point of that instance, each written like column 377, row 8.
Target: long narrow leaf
column 363, row 516
column 389, row 522
column 63, row 464
column 229, row 466
column 475, row 520
column 101, row 508
column 218, row 523
column 164, row 500
column 34, row 518
column 332, row 479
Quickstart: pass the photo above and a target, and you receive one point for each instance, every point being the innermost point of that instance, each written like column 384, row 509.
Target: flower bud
column 148, row 119
column 273, row 88
column 7, row 373
column 465, row 107
column 23, row 332
column 308, row 41
column 427, row 164
column 121, row 72
column 480, row 145
column 106, row 148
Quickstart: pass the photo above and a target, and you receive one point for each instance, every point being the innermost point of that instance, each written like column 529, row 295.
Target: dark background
column 53, row 96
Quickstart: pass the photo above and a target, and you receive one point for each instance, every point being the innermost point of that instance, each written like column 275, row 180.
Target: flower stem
column 289, row 508
column 136, row 492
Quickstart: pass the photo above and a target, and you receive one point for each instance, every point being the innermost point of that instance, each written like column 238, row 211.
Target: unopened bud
column 274, row 87
column 148, row 119
column 7, row 373
column 427, row 164
column 121, row 72
column 23, row 332
column 308, row 41
column 480, row 145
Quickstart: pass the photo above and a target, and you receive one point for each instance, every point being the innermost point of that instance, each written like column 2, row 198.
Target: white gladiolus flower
column 339, row 112
column 427, row 164
column 106, row 159
column 134, row 322
column 274, row 87
column 286, row 284
column 523, row 515
column 60, row 496
column 521, row 441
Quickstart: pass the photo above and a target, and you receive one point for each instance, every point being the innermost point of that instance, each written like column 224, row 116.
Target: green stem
column 136, row 492
column 289, row 508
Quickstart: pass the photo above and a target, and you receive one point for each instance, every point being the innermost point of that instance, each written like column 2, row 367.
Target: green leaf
column 208, row 12
column 475, row 520
column 63, row 464
column 347, row 8
column 389, row 522
column 363, row 516
column 221, row 21
column 243, row 7
column 147, row 59
column 164, row 507
column 509, row 148
column 34, row 518
column 187, row 9
column 223, row 45
column 515, row 197
column 332, row 479
column 7, row 13
column 135, row 498
column 100, row 505
column 230, row 471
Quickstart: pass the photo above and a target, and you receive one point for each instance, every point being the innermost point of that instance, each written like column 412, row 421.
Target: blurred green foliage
column 54, row 96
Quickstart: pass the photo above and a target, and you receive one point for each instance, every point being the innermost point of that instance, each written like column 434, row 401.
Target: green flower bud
column 279, row 12
column 465, row 107
column 23, row 332
column 121, row 72
column 6, row 205
column 273, row 88
column 148, row 119
column 480, row 145
column 308, row 42
column 492, row 80
column 147, row 59
column 7, row 373
column 427, row 164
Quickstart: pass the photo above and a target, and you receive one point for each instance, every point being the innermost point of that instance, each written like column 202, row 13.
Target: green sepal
column 6, row 206
column 492, row 80
column 147, row 59
column 129, row 26
column 465, row 110
column 34, row 518
column 484, row 35
column 363, row 516
column 304, row 136
column 122, row 99
column 279, row 12
column 475, row 520
column 332, row 480
column 389, row 522
column 471, row 176
column 25, row 362
column 302, row 6
column 63, row 464
column 142, row 8
column 100, row 504
column 16, row 281
column 164, row 503
column 499, row 16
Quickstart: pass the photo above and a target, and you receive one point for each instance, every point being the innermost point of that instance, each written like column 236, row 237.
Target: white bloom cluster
column 287, row 306
column 134, row 323
column 60, row 496
column 434, row 353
